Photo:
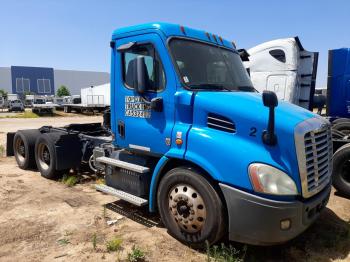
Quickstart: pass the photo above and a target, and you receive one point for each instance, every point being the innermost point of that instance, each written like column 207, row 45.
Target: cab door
column 138, row 127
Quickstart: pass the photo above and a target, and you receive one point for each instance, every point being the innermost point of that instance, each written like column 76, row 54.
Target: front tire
column 190, row 207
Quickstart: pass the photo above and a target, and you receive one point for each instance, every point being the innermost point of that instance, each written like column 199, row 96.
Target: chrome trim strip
column 220, row 120
column 143, row 148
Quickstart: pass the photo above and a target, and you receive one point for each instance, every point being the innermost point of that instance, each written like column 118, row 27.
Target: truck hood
column 247, row 109
column 228, row 154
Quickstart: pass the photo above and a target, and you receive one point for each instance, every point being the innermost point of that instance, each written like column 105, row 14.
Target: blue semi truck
column 188, row 136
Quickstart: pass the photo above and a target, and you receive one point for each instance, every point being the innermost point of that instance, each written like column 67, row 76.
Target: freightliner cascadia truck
column 188, row 136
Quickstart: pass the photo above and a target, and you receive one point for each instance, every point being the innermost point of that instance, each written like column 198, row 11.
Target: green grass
column 136, row 255
column 94, row 241
column 114, row 245
column 224, row 253
column 2, row 150
column 63, row 241
column 70, row 180
column 25, row 114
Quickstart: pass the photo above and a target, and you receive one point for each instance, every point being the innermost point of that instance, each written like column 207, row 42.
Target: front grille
column 318, row 149
column 314, row 152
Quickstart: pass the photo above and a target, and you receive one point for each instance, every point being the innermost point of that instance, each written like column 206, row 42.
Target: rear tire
column 23, row 148
column 45, row 157
column 190, row 207
column 341, row 170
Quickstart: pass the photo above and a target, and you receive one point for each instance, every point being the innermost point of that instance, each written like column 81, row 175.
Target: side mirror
column 270, row 101
column 243, row 54
column 140, row 77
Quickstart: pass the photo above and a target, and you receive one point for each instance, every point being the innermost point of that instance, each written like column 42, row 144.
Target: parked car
column 16, row 105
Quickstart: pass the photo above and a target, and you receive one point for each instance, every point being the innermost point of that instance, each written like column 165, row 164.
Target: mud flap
column 9, row 143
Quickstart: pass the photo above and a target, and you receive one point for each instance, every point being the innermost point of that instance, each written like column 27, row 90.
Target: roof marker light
column 234, row 44
column 207, row 34
column 182, row 28
column 215, row 38
column 222, row 42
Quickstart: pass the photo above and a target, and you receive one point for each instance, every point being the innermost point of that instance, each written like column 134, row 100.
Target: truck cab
column 194, row 141
column 183, row 97
column 285, row 67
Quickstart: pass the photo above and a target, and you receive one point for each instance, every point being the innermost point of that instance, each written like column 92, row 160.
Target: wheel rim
column 187, row 208
column 20, row 150
column 44, row 156
column 345, row 173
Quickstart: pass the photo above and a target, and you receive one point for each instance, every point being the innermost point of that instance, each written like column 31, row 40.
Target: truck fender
column 154, row 182
column 158, row 172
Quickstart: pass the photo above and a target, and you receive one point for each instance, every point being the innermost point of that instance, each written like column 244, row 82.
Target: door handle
column 121, row 129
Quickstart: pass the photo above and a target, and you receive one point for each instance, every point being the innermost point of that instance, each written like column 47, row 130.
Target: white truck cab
column 285, row 67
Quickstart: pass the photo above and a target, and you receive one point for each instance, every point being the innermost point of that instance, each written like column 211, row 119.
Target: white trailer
column 12, row 97
column 96, row 95
column 94, row 98
column 285, row 67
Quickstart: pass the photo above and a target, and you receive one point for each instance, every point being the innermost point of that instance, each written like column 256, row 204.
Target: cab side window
column 279, row 55
column 156, row 75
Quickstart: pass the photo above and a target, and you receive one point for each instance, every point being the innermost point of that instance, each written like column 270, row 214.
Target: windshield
column 208, row 67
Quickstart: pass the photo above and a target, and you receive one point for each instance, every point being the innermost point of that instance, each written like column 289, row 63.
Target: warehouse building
column 45, row 81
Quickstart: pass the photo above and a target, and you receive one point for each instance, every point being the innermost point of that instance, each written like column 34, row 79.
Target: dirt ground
column 44, row 220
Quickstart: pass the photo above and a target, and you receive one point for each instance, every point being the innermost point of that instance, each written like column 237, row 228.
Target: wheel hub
column 20, row 150
column 44, row 156
column 187, row 208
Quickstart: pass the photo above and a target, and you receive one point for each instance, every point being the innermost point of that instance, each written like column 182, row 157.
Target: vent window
column 278, row 54
column 220, row 123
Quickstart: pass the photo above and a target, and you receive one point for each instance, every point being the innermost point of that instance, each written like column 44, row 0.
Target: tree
column 63, row 91
column 3, row 93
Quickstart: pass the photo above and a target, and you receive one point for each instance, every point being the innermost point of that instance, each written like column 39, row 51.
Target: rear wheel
column 45, row 157
column 341, row 170
column 190, row 207
column 23, row 148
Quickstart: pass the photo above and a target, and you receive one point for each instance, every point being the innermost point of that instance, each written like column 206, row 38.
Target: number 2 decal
column 253, row 131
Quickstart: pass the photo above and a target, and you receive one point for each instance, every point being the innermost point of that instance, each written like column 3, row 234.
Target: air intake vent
column 221, row 123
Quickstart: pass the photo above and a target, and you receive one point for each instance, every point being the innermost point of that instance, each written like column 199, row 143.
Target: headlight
column 269, row 180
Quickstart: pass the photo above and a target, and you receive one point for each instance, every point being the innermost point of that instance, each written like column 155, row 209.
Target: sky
column 75, row 34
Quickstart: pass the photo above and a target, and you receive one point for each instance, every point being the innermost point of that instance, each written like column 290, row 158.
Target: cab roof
column 171, row 30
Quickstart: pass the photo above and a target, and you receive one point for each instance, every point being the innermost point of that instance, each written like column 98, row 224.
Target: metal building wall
column 5, row 79
column 33, row 74
column 76, row 80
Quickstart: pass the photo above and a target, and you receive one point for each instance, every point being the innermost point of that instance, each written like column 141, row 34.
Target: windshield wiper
column 211, row 85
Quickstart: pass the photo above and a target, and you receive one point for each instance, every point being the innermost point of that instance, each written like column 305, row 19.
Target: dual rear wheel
column 33, row 149
column 189, row 205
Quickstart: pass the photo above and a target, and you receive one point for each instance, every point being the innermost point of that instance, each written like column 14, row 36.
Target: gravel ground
column 44, row 220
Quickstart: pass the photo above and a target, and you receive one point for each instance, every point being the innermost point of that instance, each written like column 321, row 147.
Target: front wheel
column 190, row 207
